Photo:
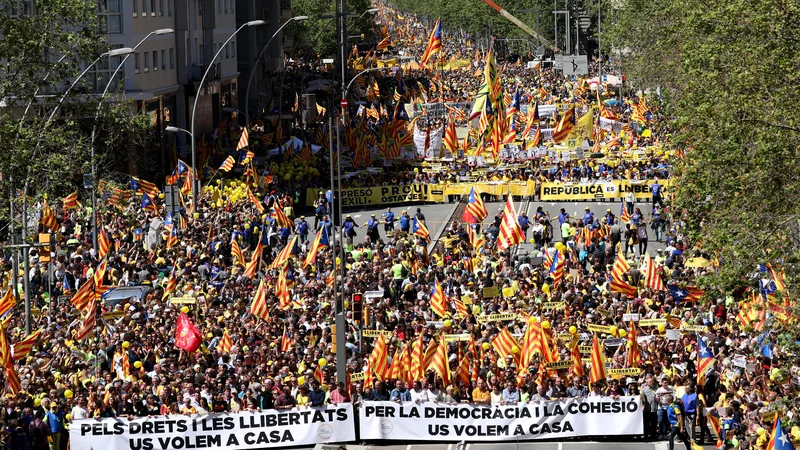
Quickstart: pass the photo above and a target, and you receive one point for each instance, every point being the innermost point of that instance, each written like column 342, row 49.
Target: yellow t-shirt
column 301, row 399
column 481, row 395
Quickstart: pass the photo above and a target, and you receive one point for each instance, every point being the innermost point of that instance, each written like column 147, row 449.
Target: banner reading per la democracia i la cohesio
column 243, row 430
column 591, row 416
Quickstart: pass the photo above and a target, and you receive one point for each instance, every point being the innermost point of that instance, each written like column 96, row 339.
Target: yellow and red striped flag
column 504, row 343
column 417, row 371
column 236, row 252
column 634, row 356
column 71, row 201
column 383, row 45
column 7, row 302
column 89, row 322
column 651, row 276
column 244, row 140
column 434, row 43
column 450, row 137
column 252, row 266
column 598, row 372
column 103, row 242
column 438, row 300
column 23, row 347
column 83, row 296
column 227, row 165
column 284, row 254
column 565, row 125
column 48, row 217
column 281, row 218
column 440, row 362
column 377, row 359
column 510, row 231
column 224, row 345
column 259, row 306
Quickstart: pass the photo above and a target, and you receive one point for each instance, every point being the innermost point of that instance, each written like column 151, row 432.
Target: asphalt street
column 437, row 215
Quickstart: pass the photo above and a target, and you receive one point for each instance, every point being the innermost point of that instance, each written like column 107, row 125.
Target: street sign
column 343, row 103
column 575, row 65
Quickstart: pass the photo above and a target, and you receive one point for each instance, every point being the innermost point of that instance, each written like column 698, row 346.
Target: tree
column 316, row 37
column 728, row 71
column 43, row 51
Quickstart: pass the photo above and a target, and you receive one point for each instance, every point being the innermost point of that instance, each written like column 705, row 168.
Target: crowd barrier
column 439, row 193
column 386, row 421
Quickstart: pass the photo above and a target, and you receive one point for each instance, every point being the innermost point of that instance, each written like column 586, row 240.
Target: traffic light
column 358, row 307
column 44, row 252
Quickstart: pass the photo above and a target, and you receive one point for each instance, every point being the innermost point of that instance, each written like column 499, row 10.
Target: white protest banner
column 590, row 416
column 243, row 430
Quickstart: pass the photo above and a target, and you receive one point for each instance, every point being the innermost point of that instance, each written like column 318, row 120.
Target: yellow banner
column 559, row 365
column 456, row 337
column 579, row 191
column 586, row 349
column 652, row 322
column 694, row 328
column 631, row 371
column 374, row 333
column 497, row 317
column 385, row 195
column 554, row 305
column 599, row 328
column 358, row 376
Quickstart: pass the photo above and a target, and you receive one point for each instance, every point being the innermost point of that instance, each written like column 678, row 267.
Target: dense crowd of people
column 129, row 366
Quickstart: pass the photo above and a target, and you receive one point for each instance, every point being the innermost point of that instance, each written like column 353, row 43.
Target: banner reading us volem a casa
column 243, row 430
column 591, row 416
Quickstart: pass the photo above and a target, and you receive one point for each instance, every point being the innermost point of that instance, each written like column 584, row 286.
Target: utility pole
column 341, row 323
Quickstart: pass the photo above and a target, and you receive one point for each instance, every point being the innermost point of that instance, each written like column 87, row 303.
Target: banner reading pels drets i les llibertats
column 243, row 430
column 593, row 416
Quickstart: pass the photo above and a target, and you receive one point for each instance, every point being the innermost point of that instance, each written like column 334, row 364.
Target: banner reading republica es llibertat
column 243, row 430
column 594, row 416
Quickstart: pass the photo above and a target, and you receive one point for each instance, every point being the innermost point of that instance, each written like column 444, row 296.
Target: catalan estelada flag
column 419, row 229
column 778, row 440
column 705, row 361
column 434, row 43
column 227, row 165
column 475, row 211
column 565, row 125
column 510, row 231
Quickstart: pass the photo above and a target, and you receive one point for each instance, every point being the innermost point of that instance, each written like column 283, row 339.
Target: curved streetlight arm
column 373, row 69
column 197, row 98
column 69, row 89
column 253, row 71
column 94, row 125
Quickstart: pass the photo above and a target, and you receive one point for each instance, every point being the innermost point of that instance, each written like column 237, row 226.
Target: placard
column 694, row 328
column 630, row 317
column 673, row 335
column 652, row 322
column 491, row 292
column 497, row 317
column 599, row 328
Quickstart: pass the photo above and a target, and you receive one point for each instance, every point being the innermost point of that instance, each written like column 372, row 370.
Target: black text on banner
column 594, row 416
column 244, row 430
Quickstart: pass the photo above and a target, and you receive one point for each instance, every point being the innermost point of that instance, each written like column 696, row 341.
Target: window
column 172, row 58
column 233, row 49
column 146, row 63
column 153, row 9
column 169, row 8
column 163, row 59
column 136, row 63
column 226, row 6
column 161, row 8
column 232, row 3
column 135, row 9
column 196, row 59
column 110, row 14
column 200, row 56
column 155, row 60
column 144, row 8
column 228, row 51
column 219, row 6
column 103, row 70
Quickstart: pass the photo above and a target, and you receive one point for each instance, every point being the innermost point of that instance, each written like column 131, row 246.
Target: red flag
column 187, row 336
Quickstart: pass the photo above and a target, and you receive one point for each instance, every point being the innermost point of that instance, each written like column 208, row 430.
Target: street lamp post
column 341, row 351
column 254, row 23
column 94, row 127
column 26, row 189
column 258, row 61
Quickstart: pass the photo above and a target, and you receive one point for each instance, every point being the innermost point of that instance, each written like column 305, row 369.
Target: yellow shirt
column 301, row 399
column 479, row 394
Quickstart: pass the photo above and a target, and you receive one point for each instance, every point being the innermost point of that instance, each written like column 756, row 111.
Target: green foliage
column 728, row 69
column 52, row 158
column 316, row 37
